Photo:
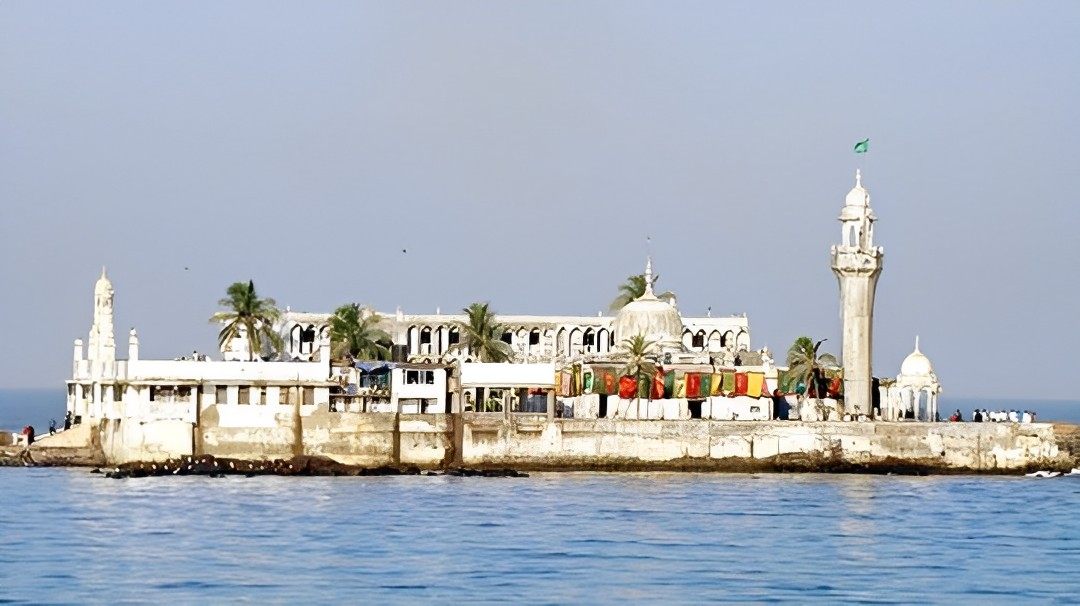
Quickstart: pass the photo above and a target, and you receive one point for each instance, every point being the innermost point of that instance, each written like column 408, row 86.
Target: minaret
column 857, row 265
column 102, row 344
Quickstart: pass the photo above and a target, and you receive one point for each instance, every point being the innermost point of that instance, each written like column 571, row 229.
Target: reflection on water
column 70, row 536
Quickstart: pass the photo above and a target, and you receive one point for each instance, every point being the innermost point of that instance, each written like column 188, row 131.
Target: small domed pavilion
column 916, row 389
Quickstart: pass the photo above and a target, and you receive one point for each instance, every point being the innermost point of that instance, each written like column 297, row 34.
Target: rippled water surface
column 71, row 536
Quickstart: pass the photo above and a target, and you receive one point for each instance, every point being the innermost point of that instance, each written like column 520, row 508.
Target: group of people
column 981, row 415
column 1002, row 416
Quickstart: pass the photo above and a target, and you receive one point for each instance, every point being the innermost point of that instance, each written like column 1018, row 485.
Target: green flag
column 862, row 146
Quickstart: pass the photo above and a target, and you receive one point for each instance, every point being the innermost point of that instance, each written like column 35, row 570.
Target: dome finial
column 858, row 177
column 103, row 272
column 917, row 343
column 648, row 276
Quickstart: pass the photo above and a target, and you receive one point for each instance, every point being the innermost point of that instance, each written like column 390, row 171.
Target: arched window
column 294, row 338
column 698, row 340
column 716, row 341
column 307, row 340
column 575, row 341
column 588, row 340
column 743, row 340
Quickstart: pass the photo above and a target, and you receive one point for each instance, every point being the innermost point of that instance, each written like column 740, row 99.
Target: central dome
column 656, row 320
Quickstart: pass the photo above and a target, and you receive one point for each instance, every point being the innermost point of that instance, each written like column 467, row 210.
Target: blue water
column 19, row 407
column 72, row 536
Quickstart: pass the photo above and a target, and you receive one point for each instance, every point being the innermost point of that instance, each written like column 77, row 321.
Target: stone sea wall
column 535, row 442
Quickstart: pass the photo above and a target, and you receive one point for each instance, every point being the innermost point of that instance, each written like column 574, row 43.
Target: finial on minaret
column 648, row 276
column 858, row 177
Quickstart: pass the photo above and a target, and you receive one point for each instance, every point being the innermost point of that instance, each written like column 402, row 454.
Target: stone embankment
column 353, row 443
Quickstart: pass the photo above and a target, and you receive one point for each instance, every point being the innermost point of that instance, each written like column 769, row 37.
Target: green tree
column 482, row 335
column 639, row 361
column 805, row 366
column 633, row 288
column 246, row 313
column 356, row 333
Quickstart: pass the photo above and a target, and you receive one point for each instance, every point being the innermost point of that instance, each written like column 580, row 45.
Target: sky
column 522, row 152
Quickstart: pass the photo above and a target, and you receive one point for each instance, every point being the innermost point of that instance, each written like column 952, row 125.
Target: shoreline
column 794, row 463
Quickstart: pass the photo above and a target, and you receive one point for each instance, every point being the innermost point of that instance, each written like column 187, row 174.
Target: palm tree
column 246, row 313
column 639, row 356
column 358, row 334
column 633, row 288
column 481, row 335
column 805, row 366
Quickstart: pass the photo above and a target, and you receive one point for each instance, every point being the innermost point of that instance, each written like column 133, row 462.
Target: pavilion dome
column 917, row 364
column 647, row 315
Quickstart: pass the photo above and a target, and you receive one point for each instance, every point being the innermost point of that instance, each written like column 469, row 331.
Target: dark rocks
column 483, row 473
column 299, row 466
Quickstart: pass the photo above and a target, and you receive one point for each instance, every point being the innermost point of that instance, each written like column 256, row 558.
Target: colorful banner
column 755, row 381
column 729, row 382
column 693, row 385
column 658, row 385
column 740, row 383
column 717, row 387
column 611, row 386
column 627, row 388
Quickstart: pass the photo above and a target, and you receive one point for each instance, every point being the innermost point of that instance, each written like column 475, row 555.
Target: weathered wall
column 124, row 440
column 490, row 441
column 263, row 432
column 374, row 439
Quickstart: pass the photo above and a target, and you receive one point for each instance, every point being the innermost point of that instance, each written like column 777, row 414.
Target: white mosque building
column 533, row 339
column 429, row 375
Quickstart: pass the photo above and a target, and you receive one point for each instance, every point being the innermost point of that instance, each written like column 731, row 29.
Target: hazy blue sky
column 522, row 151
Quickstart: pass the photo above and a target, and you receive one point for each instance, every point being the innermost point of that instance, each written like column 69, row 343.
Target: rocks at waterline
column 208, row 465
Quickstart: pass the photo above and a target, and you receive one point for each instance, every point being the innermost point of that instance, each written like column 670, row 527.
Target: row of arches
column 302, row 338
column 715, row 341
column 525, row 340
column 431, row 340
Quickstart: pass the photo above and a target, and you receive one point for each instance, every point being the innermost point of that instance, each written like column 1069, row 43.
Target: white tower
column 102, row 344
column 857, row 265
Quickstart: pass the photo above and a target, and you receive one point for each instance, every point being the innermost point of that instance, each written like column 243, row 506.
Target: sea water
column 70, row 536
